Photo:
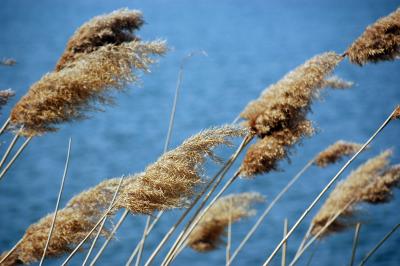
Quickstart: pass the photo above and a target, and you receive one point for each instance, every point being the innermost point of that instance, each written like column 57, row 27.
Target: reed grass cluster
column 209, row 232
column 372, row 182
column 336, row 152
column 379, row 42
column 278, row 116
column 114, row 28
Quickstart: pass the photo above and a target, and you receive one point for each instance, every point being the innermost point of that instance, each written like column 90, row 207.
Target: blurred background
column 250, row 44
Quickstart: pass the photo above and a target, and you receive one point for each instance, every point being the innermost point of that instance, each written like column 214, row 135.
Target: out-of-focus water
column 250, row 44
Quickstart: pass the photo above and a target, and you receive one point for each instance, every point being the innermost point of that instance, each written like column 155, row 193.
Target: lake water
column 250, row 44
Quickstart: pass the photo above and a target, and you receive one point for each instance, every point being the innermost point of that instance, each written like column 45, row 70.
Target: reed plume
column 70, row 228
column 175, row 176
column 336, row 82
column 278, row 116
column 66, row 95
column 336, row 152
column 114, row 28
column 208, row 234
column 372, row 182
column 396, row 114
column 379, row 42
column 5, row 96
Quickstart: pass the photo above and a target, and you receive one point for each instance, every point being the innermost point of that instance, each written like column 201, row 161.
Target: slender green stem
column 380, row 243
column 284, row 248
column 58, row 202
column 331, row 182
column 16, row 155
column 268, row 209
column 355, row 243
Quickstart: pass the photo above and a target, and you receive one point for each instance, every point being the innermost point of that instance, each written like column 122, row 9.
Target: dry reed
column 114, row 28
column 379, row 42
column 174, row 178
column 336, row 152
column 396, row 114
column 372, row 183
column 208, row 233
column 278, row 116
column 65, row 95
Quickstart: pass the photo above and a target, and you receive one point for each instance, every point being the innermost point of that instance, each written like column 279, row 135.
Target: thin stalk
column 316, row 200
column 284, row 248
column 136, row 250
column 3, row 259
column 313, row 252
column 355, row 243
column 316, row 236
column 304, row 240
column 5, row 125
column 58, row 202
column 380, row 243
column 104, row 221
column 221, row 173
column 18, row 153
column 168, row 138
column 9, row 149
column 100, row 221
column 229, row 237
column 185, row 234
column 268, row 209
column 109, row 239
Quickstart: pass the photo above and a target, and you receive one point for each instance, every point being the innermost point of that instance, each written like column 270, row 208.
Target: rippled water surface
column 250, row 44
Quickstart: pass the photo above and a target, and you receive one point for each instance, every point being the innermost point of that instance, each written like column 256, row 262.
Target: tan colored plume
column 336, row 152
column 66, row 95
column 372, row 182
column 175, row 176
column 336, row 82
column 379, row 42
column 209, row 232
column 280, row 112
column 114, row 28
column 396, row 114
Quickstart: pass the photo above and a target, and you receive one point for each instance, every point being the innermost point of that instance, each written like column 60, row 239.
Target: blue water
column 250, row 44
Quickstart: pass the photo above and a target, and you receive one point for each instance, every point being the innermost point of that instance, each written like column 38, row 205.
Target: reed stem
column 17, row 154
column 355, row 243
column 229, row 237
column 284, row 248
column 5, row 125
column 58, row 202
column 380, row 243
column 268, row 209
column 326, row 188
column 3, row 259
column 9, row 149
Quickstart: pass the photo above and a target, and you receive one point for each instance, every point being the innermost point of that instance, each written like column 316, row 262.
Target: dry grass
column 5, row 96
column 66, row 95
column 176, row 175
column 278, row 116
column 336, row 152
column 379, row 42
column 372, row 182
column 114, row 28
column 335, row 82
column 208, row 234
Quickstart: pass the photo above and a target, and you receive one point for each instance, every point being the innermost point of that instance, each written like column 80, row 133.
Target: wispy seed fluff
column 278, row 115
column 209, row 232
column 66, row 95
column 379, row 42
column 71, row 228
column 336, row 82
column 336, row 152
column 372, row 182
column 175, row 176
column 5, row 96
column 114, row 28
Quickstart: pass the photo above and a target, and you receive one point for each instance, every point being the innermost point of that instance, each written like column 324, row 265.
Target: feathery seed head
column 114, row 28
column 175, row 176
column 370, row 183
column 335, row 82
column 208, row 234
column 396, row 114
column 379, row 42
column 336, row 152
column 65, row 95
